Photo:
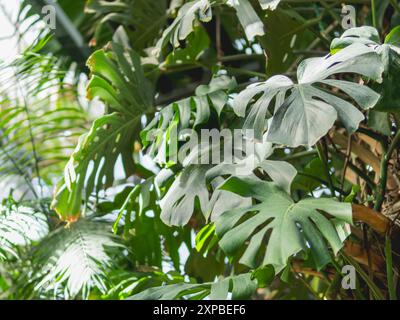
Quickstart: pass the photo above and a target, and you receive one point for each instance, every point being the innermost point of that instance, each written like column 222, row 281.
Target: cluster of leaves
column 136, row 216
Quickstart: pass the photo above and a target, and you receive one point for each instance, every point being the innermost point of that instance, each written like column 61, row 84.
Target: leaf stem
column 356, row 169
column 346, row 163
column 389, row 267
column 246, row 72
column 323, row 155
column 381, row 190
column 300, row 155
column 373, row 8
column 395, row 5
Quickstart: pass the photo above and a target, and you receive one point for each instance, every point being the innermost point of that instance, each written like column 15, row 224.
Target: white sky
column 9, row 45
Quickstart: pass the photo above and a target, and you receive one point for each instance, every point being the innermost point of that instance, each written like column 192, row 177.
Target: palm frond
column 75, row 259
column 19, row 227
column 40, row 116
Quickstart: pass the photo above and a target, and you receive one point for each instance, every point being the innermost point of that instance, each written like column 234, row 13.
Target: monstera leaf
column 241, row 286
column 248, row 18
column 161, row 134
column 256, row 157
column 142, row 19
column 309, row 112
column 184, row 23
column 189, row 188
column 222, row 201
column 364, row 35
column 119, row 81
column 389, row 52
column 281, row 172
column 287, row 227
column 178, row 204
column 194, row 11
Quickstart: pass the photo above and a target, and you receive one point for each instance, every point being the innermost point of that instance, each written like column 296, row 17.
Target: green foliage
column 308, row 112
column 135, row 215
column 91, row 166
column 292, row 227
column 390, row 55
column 141, row 18
column 75, row 258
column 241, row 287
column 20, row 227
column 37, row 108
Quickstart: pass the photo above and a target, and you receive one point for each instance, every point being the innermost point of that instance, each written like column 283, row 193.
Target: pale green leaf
column 292, row 227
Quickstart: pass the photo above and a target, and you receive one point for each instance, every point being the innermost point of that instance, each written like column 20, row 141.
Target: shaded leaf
column 289, row 227
column 241, row 287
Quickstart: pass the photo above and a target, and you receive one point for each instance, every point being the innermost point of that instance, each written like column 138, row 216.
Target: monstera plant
column 120, row 194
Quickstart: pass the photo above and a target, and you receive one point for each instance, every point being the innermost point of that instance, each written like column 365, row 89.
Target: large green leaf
column 142, row 19
column 248, row 18
column 281, row 172
column 309, row 112
column 178, row 204
column 365, row 35
column 241, row 286
column 91, row 166
column 119, row 81
column 222, row 201
column 184, row 23
column 285, row 226
column 161, row 135
column 200, row 10
column 389, row 52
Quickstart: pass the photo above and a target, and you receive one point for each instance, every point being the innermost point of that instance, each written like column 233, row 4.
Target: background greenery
column 91, row 206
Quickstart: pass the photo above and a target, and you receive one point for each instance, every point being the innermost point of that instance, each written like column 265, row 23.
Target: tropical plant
column 307, row 116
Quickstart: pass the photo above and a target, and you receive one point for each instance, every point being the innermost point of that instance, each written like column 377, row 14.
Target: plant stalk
column 381, row 191
column 389, row 267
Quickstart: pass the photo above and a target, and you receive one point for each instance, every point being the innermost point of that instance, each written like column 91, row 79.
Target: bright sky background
column 9, row 45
